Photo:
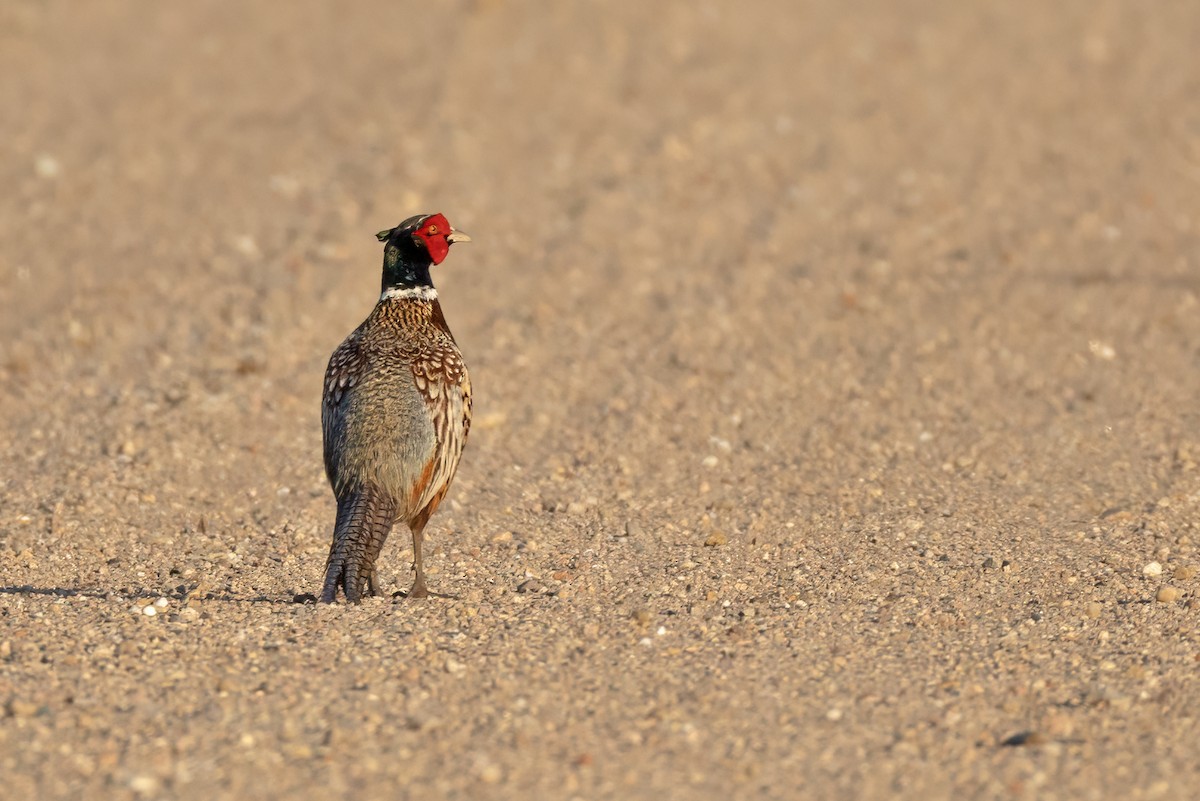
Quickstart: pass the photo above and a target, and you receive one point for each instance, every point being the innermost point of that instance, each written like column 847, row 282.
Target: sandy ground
column 836, row 371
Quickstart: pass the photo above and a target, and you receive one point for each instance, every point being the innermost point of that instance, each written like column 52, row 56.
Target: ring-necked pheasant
column 395, row 412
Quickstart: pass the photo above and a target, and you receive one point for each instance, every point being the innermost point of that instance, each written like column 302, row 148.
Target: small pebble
column 144, row 785
column 1024, row 738
column 1152, row 569
column 1058, row 725
column 1184, row 573
column 47, row 166
column 149, row 611
column 19, row 708
column 298, row 750
column 716, row 539
column 1167, row 595
column 531, row 585
column 633, row 529
column 246, row 245
column 1092, row 609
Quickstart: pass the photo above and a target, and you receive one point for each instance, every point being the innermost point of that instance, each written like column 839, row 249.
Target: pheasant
column 395, row 412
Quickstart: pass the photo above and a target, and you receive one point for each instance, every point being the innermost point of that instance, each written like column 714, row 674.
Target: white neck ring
column 409, row 293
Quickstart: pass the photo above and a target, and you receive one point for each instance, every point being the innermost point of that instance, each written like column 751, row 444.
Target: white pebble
column 246, row 245
column 1152, row 569
column 47, row 166
column 1102, row 350
column 161, row 603
column 149, row 611
column 661, row 631
column 144, row 785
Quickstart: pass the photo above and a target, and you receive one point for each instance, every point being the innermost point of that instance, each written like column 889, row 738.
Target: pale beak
column 457, row 236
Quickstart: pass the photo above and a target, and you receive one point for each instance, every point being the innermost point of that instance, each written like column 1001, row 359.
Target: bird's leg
column 419, row 590
column 369, row 587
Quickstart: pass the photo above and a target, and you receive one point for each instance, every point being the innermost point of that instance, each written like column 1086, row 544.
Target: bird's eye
column 432, row 230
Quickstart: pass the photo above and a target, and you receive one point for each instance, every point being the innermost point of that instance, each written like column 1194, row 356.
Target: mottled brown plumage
column 395, row 414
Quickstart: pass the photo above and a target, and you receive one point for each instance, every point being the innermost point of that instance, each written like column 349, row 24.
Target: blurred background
column 870, row 297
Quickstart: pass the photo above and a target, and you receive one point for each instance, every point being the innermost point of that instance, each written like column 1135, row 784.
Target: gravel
column 892, row 306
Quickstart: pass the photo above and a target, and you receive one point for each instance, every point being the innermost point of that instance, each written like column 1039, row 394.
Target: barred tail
column 364, row 519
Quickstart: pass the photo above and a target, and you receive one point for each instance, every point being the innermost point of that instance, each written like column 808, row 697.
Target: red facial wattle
column 433, row 233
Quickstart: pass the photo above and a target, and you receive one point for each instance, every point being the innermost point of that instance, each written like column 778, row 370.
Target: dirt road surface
column 836, row 372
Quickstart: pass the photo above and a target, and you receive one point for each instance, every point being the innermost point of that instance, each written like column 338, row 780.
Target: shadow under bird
column 395, row 412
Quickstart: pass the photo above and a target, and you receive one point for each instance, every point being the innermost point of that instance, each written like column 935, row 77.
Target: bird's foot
column 419, row 590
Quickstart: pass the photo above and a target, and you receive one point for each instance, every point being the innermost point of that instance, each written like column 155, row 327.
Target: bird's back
column 388, row 392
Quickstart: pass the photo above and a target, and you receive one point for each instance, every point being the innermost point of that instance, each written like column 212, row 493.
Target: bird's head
column 413, row 246
column 428, row 235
